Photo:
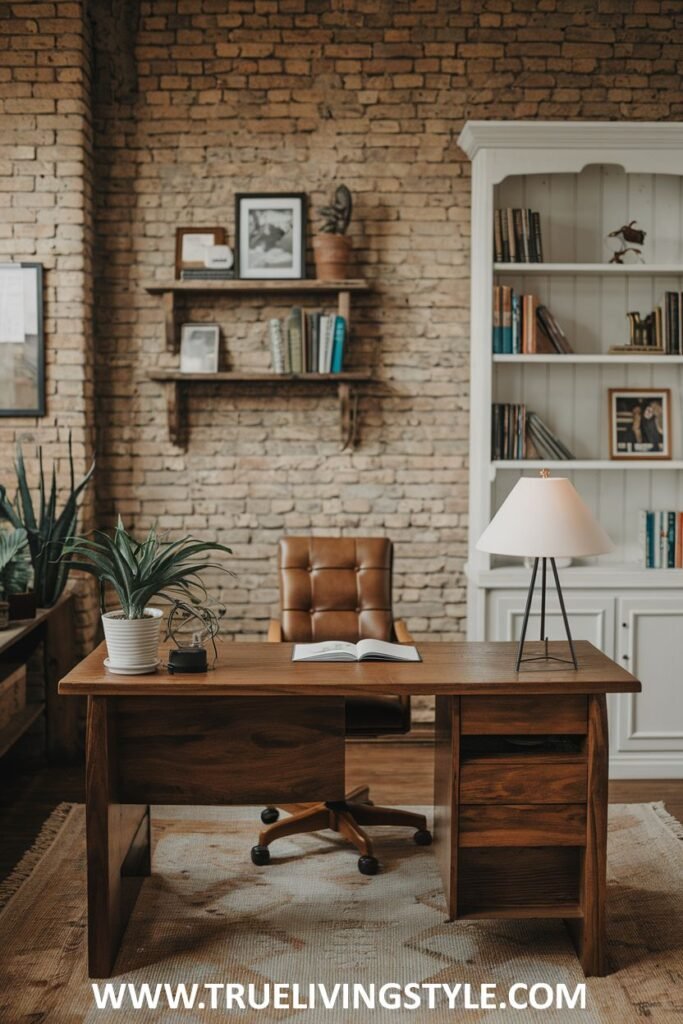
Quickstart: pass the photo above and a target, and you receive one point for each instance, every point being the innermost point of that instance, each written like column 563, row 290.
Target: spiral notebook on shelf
column 364, row 650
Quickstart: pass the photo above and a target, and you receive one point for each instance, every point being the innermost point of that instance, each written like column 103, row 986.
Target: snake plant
column 15, row 567
column 142, row 570
column 47, row 530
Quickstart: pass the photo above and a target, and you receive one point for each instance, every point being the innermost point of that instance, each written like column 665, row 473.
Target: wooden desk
column 262, row 729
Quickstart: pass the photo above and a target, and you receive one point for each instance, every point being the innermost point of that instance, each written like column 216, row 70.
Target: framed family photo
column 640, row 423
column 270, row 233
column 199, row 344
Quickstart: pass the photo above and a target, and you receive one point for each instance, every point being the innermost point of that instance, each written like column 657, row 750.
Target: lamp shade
column 544, row 517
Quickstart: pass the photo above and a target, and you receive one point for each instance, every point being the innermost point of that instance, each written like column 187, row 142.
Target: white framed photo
column 270, row 233
column 199, row 344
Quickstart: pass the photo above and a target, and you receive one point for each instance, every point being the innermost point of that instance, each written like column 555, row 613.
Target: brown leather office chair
column 339, row 588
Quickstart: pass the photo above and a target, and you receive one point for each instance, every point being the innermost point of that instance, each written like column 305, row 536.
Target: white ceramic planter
column 132, row 644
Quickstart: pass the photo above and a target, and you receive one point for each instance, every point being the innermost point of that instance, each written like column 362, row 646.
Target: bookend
column 527, row 609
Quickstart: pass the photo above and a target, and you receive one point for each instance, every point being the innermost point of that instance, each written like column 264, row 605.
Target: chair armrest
column 274, row 632
column 401, row 632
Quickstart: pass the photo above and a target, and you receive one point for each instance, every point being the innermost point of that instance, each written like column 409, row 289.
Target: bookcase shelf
column 177, row 384
column 573, row 358
column 569, row 465
column 611, row 269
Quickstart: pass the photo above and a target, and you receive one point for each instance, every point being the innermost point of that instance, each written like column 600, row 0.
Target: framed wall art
column 22, row 342
column 640, row 423
column 199, row 345
column 270, row 232
column 192, row 246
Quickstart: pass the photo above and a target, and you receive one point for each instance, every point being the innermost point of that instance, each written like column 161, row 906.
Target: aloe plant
column 47, row 530
column 142, row 570
column 15, row 567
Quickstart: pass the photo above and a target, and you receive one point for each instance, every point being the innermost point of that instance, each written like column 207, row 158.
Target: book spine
column 679, row 540
column 538, row 239
column 529, row 223
column 516, row 323
column 671, row 541
column 495, row 320
column 512, row 238
column 277, row 348
column 295, row 350
column 497, row 236
column 519, row 235
column 506, row 319
column 330, row 344
column 650, row 526
column 504, row 236
column 338, row 346
column 642, row 537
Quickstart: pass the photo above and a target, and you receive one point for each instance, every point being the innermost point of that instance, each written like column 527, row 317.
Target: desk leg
column 589, row 933
column 118, row 842
column 446, row 786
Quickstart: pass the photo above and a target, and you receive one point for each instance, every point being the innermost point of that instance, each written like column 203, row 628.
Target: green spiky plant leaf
column 139, row 571
column 15, row 567
column 46, row 529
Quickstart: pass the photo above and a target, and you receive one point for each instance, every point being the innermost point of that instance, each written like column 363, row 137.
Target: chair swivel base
column 344, row 816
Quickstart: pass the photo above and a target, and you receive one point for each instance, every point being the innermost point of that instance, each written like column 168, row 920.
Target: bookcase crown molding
column 602, row 135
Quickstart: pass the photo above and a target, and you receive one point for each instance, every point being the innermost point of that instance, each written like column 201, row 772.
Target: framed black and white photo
column 199, row 344
column 270, row 233
column 22, row 345
column 640, row 423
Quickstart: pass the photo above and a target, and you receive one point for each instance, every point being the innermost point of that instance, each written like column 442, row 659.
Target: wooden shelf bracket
column 348, row 415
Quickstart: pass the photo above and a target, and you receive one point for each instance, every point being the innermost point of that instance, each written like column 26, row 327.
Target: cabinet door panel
column 651, row 646
column 591, row 616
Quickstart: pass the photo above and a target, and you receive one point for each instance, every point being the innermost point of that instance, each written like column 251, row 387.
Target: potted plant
column 332, row 247
column 47, row 530
column 139, row 572
column 15, row 569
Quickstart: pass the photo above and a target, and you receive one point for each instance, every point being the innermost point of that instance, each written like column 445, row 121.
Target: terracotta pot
column 4, row 614
column 22, row 606
column 332, row 253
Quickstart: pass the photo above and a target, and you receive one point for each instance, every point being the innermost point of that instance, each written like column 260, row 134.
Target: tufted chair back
column 335, row 588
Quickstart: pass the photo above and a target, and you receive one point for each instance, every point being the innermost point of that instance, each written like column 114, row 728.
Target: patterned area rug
column 208, row 915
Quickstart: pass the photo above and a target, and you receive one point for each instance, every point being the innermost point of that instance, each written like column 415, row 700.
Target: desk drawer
column 507, row 782
column 518, row 716
column 522, row 825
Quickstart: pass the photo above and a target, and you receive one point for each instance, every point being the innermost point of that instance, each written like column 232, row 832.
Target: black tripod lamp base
column 532, row 585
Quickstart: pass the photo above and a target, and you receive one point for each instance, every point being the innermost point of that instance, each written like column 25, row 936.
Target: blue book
column 650, row 563
column 338, row 342
column 516, row 323
column 506, row 320
column 671, row 546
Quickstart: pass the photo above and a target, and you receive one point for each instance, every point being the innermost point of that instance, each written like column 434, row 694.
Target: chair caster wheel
column 269, row 815
column 260, row 855
column 423, row 837
column 368, row 865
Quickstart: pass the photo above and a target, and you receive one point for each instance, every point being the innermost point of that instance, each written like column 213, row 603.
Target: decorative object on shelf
column 140, row 572
column 270, row 232
column 15, row 569
column 544, row 518
column 47, row 531
column 204, row 623
column 661, row 539
column 617, row 241
column 332, row 247
column 517, row 236
column 645, row 335
column 192, row 245
column 640, row 423
column 199, row 346
column 219, row 257
column 22, row 344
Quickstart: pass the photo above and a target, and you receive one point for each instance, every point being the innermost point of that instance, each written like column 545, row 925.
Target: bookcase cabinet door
column 591, row 616
column 647, row 728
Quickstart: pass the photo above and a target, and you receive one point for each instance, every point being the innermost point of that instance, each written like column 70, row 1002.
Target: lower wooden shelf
column 346, row 384
column 18, row 725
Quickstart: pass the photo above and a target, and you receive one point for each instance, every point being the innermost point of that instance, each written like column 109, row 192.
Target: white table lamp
column 544, row 518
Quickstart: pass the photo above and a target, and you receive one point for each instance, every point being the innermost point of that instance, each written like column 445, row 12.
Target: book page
column 380, row 650
column 328, row 650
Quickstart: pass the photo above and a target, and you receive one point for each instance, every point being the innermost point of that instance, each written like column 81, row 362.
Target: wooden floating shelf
column 602, row 359
column 345, row 383
column 305, row 285
column 623, row 269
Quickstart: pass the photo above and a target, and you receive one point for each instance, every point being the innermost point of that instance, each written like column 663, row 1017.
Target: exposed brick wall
column 195, row 100
column 46, row 217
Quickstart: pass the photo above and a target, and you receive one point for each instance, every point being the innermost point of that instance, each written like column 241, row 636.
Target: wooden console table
column 520, row 771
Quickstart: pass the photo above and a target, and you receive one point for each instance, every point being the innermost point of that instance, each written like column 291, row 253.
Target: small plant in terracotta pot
column 140, row 571
column 332, row 247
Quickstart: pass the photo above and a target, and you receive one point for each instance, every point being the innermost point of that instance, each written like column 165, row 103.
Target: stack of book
column 523, row 325
column 520, row 434
column 206, row 274
column 517, row 236
column 661, row 539
column 308, row 342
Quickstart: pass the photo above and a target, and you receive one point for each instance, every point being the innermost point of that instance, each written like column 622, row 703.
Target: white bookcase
column 585, row 179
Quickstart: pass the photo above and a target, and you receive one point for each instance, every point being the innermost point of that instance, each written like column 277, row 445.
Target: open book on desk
column 364, row 650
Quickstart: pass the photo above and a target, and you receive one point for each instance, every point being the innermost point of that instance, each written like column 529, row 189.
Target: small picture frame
column 191, row 245
column 199, row 345
column 270, row 235
column 640, row 423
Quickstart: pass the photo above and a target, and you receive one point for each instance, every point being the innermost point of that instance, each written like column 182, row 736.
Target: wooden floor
column 399, row 773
